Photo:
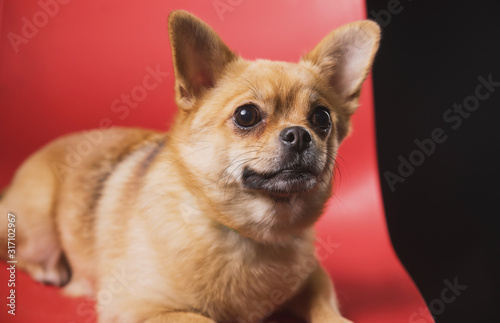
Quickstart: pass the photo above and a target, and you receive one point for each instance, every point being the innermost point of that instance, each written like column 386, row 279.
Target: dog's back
column 64, row 179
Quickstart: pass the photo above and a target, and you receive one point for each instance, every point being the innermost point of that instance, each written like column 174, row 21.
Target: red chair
column 67, row 66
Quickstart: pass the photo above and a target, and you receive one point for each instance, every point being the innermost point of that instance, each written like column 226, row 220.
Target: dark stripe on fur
column 96, row 195
column 107, row 167
column 144, row 165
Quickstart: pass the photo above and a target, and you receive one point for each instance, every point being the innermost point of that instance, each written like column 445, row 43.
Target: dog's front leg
column 317, row 303
column 179, row 317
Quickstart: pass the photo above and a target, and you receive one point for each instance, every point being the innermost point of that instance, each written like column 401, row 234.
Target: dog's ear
column 345, row 57
column 198, row 54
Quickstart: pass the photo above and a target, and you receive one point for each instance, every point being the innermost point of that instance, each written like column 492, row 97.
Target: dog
column 203, row 221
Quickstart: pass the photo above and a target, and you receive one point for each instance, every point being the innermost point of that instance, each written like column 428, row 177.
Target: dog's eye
column 247, row 116
column 321, row 118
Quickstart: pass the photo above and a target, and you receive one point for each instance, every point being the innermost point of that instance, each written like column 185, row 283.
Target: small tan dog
column 202, row 222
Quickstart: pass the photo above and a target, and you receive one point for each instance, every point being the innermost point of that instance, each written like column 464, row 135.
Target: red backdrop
column 66, row 66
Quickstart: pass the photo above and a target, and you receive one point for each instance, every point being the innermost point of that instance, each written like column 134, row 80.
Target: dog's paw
column 58, row 275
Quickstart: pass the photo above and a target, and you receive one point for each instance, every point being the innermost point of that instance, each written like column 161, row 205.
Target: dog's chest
column 247, row 282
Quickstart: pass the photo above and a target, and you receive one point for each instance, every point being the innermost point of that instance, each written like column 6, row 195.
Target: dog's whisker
column 231, row 173
column 231, row 163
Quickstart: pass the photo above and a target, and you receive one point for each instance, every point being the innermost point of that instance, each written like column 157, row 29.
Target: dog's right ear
column 198, row 54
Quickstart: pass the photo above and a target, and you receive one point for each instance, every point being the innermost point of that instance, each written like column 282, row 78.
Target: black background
column 443, row 219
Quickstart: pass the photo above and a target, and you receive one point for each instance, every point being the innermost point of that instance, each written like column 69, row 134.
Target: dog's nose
column 296, row 138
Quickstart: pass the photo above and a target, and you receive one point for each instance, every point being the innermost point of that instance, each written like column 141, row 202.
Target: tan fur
column 159, row 228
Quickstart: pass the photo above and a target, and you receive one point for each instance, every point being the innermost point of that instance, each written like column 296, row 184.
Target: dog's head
column 258, row 139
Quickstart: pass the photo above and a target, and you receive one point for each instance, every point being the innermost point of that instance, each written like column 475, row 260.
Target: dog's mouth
column 281, row 183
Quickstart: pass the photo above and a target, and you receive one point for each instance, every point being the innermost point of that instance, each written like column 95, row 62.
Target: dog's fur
column 202, row 223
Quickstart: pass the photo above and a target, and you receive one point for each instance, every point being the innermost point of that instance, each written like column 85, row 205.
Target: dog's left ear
column 198, row 54
column 345, row 57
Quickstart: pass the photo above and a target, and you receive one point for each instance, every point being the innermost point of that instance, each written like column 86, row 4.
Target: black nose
column 296, row 138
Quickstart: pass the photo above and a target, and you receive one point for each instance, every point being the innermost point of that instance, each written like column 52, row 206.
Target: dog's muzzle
column 297, row 169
